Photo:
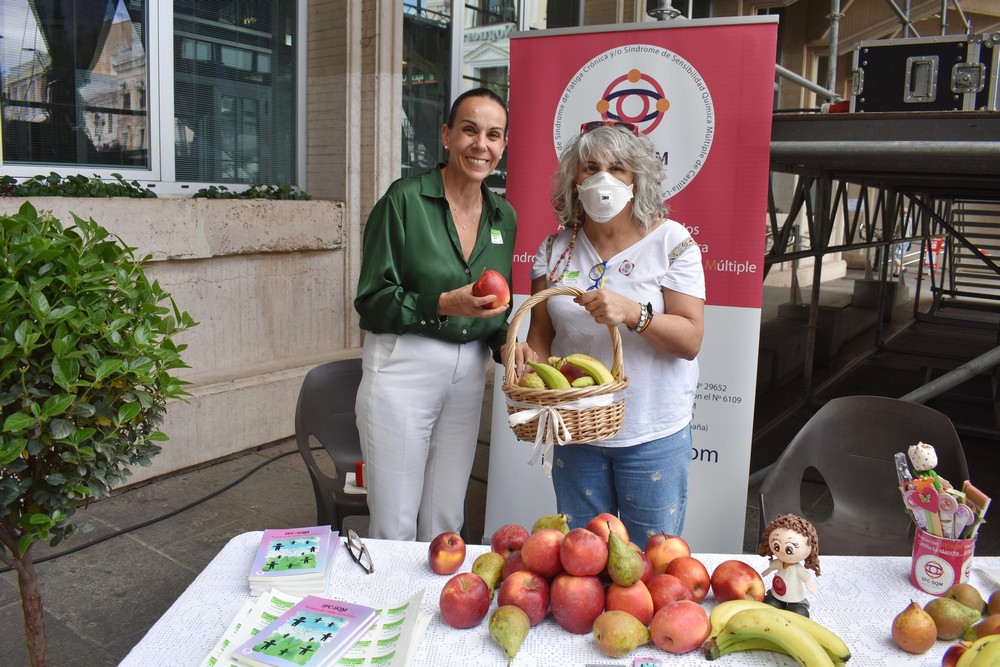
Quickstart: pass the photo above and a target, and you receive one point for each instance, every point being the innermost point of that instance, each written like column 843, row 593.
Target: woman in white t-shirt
column 642, row 271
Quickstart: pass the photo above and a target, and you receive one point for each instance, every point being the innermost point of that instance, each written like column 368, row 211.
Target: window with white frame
column 189, row 91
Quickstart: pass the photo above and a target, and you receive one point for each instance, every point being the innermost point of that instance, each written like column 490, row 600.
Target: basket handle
column 617, row 367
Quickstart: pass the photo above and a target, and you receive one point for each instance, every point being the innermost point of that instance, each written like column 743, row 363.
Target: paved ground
column 101, row 599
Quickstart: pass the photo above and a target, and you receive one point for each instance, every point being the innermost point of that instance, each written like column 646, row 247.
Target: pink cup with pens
column 940, row 562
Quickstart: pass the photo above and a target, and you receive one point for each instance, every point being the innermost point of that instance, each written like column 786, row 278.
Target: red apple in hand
column 527, row 590
column 663, row 548
column 465, row 600
column 680, row 627
column 604, row 523
column 492, row 283
column 583, row 553
column 508, row 538
column 576, row 602
column 692, row 572
column 735, row 580
column 446, row 553
column 666, row 588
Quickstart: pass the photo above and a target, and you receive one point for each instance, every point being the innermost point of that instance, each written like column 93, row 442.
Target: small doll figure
column 793, row 547
column 924, row 460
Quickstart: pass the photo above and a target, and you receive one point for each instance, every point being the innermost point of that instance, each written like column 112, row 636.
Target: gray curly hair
column 608, row 145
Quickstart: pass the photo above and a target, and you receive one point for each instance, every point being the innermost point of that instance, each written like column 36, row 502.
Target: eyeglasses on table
column 359, row 552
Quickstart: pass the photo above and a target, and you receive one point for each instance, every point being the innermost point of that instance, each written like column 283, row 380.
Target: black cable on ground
column 168, row 515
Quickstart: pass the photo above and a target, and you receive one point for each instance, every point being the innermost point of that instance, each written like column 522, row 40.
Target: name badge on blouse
column 496, row 238
column 570, row 278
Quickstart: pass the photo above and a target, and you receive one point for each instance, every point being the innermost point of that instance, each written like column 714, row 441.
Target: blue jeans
column 644, row 485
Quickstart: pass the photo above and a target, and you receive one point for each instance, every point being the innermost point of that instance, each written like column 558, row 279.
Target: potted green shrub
column 86, row 356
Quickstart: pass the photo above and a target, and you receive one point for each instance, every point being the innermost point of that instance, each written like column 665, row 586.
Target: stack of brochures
column 390, row 642
column 317, row 631
column 297, row 561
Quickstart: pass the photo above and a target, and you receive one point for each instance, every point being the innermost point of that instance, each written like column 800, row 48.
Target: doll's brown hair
column 800, row 526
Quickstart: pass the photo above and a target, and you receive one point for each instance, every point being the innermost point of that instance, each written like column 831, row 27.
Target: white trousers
column 418, row 410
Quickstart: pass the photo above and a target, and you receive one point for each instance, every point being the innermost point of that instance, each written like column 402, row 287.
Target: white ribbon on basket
column 552, row 429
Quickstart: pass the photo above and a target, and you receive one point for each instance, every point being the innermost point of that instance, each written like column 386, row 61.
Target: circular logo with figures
column 932, row 574
column 654, row 89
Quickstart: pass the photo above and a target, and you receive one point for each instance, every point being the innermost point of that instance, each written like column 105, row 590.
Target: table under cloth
column 858, row 598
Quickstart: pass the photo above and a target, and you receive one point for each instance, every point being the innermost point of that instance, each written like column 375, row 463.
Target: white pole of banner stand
column 517, row 491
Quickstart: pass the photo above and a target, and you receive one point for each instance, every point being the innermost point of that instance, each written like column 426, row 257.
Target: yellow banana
column 756, row 644
column 592, row 367
column 830, row 641
column 723, row 611
column 777, row 628
column 583, row 381
column 984, row 652
column 736, row 644
column 551, row 376
column 557, row 362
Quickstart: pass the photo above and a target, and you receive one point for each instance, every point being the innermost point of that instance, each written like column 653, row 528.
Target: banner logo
column 653, row 88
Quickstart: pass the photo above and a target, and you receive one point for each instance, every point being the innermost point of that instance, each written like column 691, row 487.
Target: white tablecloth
column 858, row 598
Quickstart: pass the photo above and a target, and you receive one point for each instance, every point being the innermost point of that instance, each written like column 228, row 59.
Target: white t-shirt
column 789, row 583
column 660, row 394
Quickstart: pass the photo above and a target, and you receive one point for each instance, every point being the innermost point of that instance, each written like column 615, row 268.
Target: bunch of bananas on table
column 984, row 652
column 746, row 625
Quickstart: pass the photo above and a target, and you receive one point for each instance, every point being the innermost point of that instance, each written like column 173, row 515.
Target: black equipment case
column 949, row 73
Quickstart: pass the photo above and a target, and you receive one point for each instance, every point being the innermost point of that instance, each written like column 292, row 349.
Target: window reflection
column 74, row 80
column 426, row 75
column 234, row 91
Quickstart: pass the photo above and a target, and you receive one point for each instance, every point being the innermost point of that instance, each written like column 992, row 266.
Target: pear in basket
column 531, row 380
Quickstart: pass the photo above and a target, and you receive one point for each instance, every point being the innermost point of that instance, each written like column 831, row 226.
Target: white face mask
column 603, row 196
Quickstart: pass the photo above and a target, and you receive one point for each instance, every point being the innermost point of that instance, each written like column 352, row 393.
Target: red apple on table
column 647, row 567
column 465, row 600
column 583, row 553
column 634, row 599
column 540, row 552
column 735, row 580
column 990, row 625
column 492, row 283
column 446, row 553
column 663, row 548
column 954, row 652
column 576, row 602
column 666, row 588
column 513, row 563
column 604, row 523
column 508, row 538
column 692, row 572
column 680, row 627
column 527, row 590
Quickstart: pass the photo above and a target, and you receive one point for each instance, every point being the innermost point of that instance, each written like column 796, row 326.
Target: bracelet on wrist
column 645, row 315
column 649, row 318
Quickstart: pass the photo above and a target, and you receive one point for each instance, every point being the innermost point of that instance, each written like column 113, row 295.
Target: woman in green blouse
column 427, row 240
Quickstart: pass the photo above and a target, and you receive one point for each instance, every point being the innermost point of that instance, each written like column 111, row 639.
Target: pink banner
column 702, row 93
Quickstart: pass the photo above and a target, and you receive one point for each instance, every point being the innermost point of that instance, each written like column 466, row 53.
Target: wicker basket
column 589, row 424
